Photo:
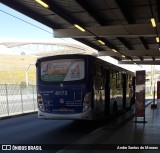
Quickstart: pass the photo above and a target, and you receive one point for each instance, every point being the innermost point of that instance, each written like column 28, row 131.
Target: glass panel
column 62, row 70
column 99, row 70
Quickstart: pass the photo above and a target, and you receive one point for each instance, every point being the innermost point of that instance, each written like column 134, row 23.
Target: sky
column 15, row 25
column 12, row 27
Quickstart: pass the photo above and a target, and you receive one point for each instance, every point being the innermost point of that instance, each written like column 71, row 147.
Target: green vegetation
column 13, row 69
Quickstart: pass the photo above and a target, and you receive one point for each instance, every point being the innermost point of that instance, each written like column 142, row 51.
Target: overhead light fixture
column 157, row 39
column 123, row 56
column 114, row 50
column 42, row 3
column 79, row 27
column 101, row 42
column 153, row 22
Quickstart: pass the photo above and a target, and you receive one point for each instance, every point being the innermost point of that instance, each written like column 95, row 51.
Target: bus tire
column 115, row 109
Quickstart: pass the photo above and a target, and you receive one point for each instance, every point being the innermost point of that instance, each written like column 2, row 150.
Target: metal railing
column 17, row 99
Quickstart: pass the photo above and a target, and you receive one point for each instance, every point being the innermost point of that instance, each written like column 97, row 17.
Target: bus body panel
column 56, row 99
column 66, row 101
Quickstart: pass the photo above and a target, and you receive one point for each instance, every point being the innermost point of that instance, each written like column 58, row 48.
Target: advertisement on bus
column 62, row 70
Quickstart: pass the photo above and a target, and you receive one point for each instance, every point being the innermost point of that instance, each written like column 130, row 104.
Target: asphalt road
column 31, row 130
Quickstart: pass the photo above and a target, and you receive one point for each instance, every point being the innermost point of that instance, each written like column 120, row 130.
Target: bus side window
column 130, row 81
column 112, row 79
column 99, row 85
column 98, row 71
column 119, row 80
column 127, row 80
column 98, row 78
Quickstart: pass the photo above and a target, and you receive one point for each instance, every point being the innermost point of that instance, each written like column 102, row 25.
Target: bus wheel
column 115, row 109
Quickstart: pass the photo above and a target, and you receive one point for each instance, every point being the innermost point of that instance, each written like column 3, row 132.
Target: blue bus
column 82, row 87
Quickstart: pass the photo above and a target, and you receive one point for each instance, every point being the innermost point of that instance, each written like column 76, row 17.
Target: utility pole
column 27, row 80
column 151, row 80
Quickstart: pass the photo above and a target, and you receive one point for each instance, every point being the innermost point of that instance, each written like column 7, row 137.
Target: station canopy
column 121, row 29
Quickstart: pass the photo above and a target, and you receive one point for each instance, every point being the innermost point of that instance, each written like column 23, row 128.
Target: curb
column 17, row 115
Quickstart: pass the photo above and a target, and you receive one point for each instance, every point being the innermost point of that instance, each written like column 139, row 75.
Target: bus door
column 124, row 90
column 116, row 91
column 133, row 87
column 107, row 92
column 99, row 92
column 129, row 90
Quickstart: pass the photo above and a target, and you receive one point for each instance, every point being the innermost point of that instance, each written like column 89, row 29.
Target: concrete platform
column 123, row 135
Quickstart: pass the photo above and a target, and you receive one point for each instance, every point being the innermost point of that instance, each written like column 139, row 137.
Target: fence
column 17, row 99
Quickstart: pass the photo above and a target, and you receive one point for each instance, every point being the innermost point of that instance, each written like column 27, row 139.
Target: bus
column 82, row 87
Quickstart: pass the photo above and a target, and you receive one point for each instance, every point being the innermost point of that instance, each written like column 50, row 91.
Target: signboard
column 158, row 90
column 62, row 70
column 140, row 94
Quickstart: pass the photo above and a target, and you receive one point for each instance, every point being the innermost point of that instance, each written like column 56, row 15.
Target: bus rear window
column 62, row 70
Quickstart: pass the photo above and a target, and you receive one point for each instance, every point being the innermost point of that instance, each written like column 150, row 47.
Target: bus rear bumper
column 79, row 116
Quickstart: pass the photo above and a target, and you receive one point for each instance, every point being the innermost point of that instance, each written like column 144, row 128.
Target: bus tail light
column 39, row 99
column 40, row 102
column 86, row 102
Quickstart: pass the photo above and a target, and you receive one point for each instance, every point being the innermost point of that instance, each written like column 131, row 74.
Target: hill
column 13, row 69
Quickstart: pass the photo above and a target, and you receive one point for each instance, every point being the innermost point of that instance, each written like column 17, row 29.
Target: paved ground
column 125, row 134
column 30, row 130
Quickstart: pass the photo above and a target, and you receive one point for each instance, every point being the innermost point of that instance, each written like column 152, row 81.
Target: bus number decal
column 58, row 93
